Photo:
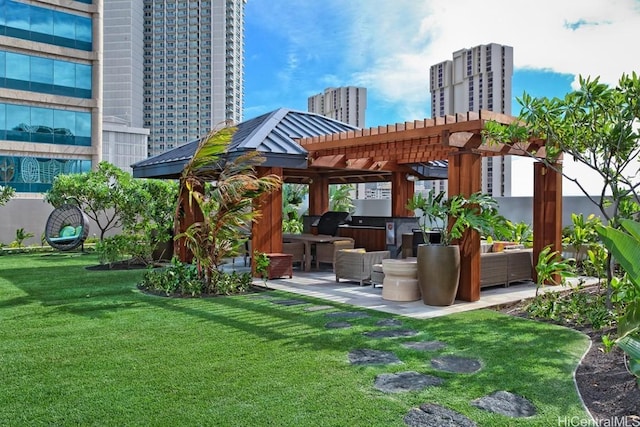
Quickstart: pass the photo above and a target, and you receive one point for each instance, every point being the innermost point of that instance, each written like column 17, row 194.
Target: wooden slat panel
column 465, row 178
column 402, row 191
column 368, row 238
column 547, row 210
column 266, row 233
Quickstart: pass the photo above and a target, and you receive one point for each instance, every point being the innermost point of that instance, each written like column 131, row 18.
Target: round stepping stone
column 396, row 333
column 372, row 357
column 319, row 307
column 289, row 302
column 405, row 381
column 506, row 403
column 347, row 314
column 424, row 345
column 432, row 415
column 458, row 365
column 337, row 325
column 389, row 322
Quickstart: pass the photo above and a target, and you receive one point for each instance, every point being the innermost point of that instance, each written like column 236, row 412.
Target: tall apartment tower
column 476, row 79
column 345, row 104
column 124, row 139
column 50, row 92
column 193, row 68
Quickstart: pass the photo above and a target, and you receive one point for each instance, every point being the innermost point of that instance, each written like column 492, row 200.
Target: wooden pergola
column 390, row 153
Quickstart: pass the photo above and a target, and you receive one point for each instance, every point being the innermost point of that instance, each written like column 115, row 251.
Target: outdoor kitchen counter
column 372, row 238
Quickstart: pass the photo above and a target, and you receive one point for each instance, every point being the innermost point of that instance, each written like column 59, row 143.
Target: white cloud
column 388, row 46
column 393, row 44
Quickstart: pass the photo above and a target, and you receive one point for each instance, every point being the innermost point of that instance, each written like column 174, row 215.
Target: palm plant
column 226, row 205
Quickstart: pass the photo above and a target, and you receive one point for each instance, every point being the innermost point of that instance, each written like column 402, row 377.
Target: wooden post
column 464, row 179
column 319, row 195
column 266, row 233
column 547, row 210
column 186, row 214
column 401, row 191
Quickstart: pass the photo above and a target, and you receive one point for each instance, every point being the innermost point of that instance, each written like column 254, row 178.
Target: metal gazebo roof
column 276, row 135
column 273, row 134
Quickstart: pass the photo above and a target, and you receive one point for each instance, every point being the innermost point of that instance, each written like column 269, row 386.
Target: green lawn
column 81, row 347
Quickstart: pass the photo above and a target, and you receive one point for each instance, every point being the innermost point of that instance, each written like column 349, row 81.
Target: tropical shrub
column 21, row 236
column 180, row 278
column 624, row 244
column 552, row 269
column 519, row 232
column 340, row 198
column 292, row 197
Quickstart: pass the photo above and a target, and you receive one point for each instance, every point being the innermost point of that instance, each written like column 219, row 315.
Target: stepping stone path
column 506, row 403
column 405, row 381
column 424, row 345
column 455, row 364
column 348, row 314
column 289, row 302
column 433, row 415
column 388, row 322
column 428, row 414
column 391, row 333
column 372, row 357
column 337, row 325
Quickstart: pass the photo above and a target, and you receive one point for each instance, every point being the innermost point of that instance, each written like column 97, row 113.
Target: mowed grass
column 80, row 347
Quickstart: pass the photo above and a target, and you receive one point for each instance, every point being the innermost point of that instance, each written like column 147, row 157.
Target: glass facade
column 44, row 75
column 35, row 174
column 44, row 125
column 39, row 24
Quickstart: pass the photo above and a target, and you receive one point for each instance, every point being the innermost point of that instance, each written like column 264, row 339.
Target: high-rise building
column 476, row 79
column 124, row 139
column 348, row 105
column 192, row 67
column 345, row 104
column 50, row 91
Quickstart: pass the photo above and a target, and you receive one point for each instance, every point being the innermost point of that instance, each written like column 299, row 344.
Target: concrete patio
column 321, row 284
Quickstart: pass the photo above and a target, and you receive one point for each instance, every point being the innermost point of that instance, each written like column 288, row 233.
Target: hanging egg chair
column 67, row 228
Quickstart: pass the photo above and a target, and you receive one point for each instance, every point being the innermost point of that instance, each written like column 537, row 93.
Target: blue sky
column 297, row 48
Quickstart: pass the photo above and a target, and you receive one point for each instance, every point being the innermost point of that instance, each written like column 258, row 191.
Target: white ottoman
column 400, row 280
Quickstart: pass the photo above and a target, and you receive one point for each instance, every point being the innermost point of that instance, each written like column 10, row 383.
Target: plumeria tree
column 107, row 195
column 596, row 125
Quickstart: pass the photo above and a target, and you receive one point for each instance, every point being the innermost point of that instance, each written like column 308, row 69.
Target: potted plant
column 439, row 264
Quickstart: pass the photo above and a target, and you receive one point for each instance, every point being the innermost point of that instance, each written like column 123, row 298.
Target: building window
column 45, row 75
column 39, row 24
column 36, row 174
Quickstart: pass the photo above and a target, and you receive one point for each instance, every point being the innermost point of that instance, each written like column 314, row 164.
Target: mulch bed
column 608, row 390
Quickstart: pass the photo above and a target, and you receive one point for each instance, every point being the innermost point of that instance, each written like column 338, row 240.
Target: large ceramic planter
column 438, row 273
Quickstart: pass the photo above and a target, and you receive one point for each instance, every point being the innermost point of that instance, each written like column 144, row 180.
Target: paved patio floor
column 322, row 284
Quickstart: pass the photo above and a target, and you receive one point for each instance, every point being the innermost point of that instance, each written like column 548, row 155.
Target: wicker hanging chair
column 67, row 228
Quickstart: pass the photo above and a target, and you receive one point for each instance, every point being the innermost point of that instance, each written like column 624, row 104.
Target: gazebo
column 307, row 148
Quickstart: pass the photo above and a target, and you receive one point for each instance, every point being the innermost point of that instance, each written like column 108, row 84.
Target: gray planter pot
column 438, row 273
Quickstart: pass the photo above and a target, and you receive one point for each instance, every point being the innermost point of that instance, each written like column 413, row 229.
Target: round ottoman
column 400, row 280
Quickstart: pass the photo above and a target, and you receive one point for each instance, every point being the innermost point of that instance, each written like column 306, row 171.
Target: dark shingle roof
column 273, row 134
